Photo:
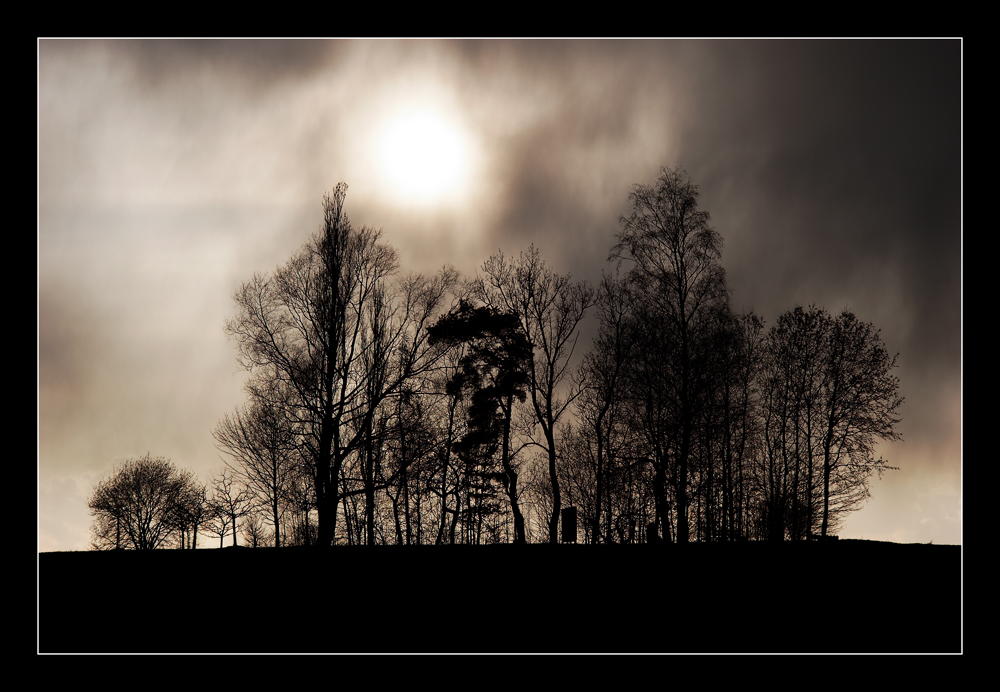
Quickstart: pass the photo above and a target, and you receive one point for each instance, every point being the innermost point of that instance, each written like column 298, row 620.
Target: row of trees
column 148, row 503
column 409, row 403
column 392, row 408
column 741, row 432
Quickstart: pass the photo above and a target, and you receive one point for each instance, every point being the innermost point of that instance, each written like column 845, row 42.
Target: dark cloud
column 827, row 162
column 246, row 64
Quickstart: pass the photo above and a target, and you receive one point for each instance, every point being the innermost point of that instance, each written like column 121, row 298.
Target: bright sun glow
column 423, row 156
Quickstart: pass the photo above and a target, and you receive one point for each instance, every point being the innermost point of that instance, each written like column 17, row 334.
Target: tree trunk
column 519, row 537
column 600, row 480
column 556, row 497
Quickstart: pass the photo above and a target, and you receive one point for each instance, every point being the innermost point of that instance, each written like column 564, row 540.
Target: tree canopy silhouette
column 549, row 308
column 683, row 419
column 143, row 504
column 337, row 333
column 494, row 371
column 679, row 287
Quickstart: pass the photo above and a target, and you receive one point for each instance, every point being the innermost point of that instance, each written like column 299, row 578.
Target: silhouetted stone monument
column 652, row 535
column 569, row 525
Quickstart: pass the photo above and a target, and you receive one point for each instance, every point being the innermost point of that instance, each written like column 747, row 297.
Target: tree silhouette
column 679, row 285
column 192, row 510
column 601, row 402
column 829, row 396
column 859, row 401
column 139, row 506
column 548, row 308
column 230, row 502
column 495, row 371
column 683, row 416
column 261, row 441
column 315, row 326
column 792, row 380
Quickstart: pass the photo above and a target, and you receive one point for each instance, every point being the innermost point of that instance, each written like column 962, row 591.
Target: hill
column 840, row 597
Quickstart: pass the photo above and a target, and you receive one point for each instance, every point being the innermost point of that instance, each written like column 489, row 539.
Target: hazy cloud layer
column 170, row 171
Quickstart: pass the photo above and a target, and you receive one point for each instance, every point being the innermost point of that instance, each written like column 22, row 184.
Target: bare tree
column 230, row 501
column 262, row 443
column 829, row 395
column 308, row 325
column 677, row 278
column 549, row 308
column 217, row 523
column 138, row 506
column 602, row 372
column 191, row 511
column 742, row 352
column 449, row 425
column 859, row 404
column 252, row 528
column 412, row 444
column 790, row 386
column 301, row 500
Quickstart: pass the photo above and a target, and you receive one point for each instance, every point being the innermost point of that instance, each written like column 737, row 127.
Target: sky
column 169, row 171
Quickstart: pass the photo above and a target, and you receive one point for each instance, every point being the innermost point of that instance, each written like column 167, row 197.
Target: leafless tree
column 679, row 282
column 191, row 511
column 829, row 395
column 138, row 506
column 308, row 325
column 262, row 443
column 601, row 402
column 549, row 308
column 859, row 406
column 412, row 444
column 449, row 424
column 230, row 501
column 217, row 523
column 253, row 531
column 300, row 497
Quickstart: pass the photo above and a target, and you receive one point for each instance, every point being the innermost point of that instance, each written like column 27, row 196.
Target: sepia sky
column 170, row 171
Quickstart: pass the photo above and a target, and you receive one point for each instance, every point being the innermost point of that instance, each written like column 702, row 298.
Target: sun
column 423, row 156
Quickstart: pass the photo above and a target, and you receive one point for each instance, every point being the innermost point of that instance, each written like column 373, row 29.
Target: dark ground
column 839, row 597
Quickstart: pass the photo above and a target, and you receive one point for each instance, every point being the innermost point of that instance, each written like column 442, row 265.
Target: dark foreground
column 842, row 597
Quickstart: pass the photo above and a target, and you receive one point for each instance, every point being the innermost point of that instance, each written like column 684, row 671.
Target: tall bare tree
column 549, row 308
column 859, row 406
column 829, row 396
column 261, row 441
column 676, row 275
column 602, row 373
column 308, row 325
column 797, row 347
